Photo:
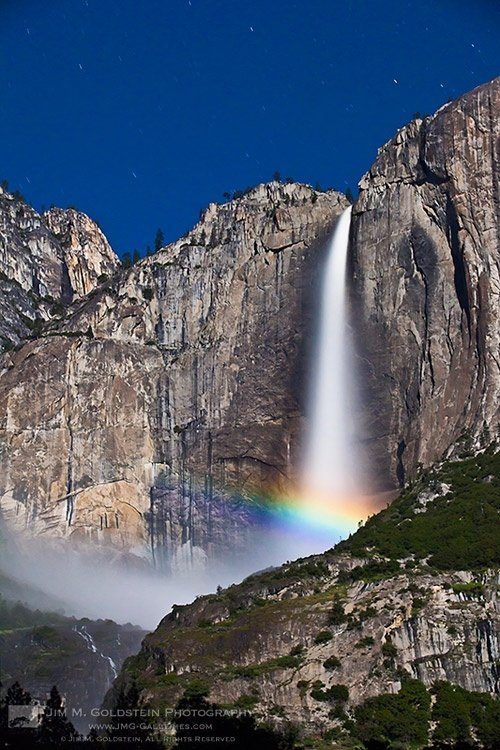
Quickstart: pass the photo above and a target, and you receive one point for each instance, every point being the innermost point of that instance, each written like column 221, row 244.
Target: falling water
column 328, row 468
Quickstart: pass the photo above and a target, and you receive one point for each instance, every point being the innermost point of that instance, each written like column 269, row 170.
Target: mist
column 92, row 582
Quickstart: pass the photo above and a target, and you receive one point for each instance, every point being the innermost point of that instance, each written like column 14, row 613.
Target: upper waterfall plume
column 328, row 467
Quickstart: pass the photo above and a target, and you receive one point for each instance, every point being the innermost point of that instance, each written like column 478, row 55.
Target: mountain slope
column 287, row 641
column 41, row 648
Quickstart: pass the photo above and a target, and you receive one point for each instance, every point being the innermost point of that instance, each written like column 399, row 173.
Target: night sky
column 140, row 112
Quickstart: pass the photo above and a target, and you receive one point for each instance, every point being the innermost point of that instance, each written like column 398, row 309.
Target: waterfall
column 329, row 467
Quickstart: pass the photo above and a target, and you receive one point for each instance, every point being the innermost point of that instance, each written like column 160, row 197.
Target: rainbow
column 310, row 512
column 315, row 521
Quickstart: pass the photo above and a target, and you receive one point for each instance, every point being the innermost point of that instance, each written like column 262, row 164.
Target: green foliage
column 159, row 239
column 323, row 636
column 339, row 693
column 226, row 728
column 400, row 718
column 460, row 714
column 331, row 663
column 247, row 701
column 307, row 569
column 251, row 671
column 15, row 616
column 457, row 531
column 389, row 650
column 371, row 571
column 366, row 642
column 126, row 260
column 335, row 693
column 336, row 615
column 474, row 588
column 197, row 688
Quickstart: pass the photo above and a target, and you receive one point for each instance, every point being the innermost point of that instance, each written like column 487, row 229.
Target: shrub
column 339, row 693
column 332, row 663
column 365, row 642
column 323, row 636
column 389, row 650
column 336, row 615
column 390, row 719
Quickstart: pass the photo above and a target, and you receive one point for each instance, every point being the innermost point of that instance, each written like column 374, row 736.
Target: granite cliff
column 46, row 261
column 425, row 239
column 153, row 390
column 169, row 382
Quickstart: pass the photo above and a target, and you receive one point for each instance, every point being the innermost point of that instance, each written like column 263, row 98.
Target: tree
column 55, row 728
column 349, row 195
column 126, row 260
column 148, row 251
column 136, row 257
column 226, row 195
column 159, row 239
column 16, row 728
column 241, row 729
column 277, row 176
column 401, row 718
column 133, row 730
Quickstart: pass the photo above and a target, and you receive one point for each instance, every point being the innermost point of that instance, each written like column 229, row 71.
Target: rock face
column 425, row 242
column 412, row 594
column 45, row 262
column 174, row 380
column 272, row 637
column 168, row 383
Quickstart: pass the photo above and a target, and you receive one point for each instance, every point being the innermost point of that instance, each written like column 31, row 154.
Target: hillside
column 41, row 648
column 390, row 604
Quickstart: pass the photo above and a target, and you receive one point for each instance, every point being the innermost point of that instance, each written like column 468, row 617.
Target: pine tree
column 136, row 257
column 15, row 730
column 159, row 239
column 55, row 729
column 136, row 733
column 126, row 260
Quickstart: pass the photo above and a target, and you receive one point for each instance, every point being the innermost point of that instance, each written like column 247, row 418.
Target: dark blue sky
column 140, row 112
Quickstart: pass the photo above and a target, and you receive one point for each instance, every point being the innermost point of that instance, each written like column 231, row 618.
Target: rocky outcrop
column 425, row 240
column 46, row 262
column 88, row 256
column 287, row 637
column 173, row 381
column 413, row 594
column 81, row 656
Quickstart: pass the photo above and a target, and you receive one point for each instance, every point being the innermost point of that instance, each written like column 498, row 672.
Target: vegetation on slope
column 449, row 517
column 447, row 521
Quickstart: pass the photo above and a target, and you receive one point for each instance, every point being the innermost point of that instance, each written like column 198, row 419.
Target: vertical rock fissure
column 425, row 337
column 460, row 274
column 71, row 438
